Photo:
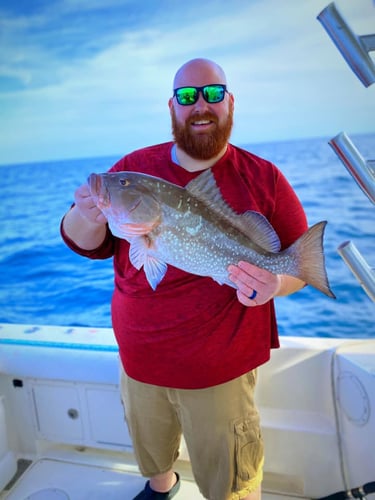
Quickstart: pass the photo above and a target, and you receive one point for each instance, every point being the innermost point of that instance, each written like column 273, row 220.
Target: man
column 190, row 349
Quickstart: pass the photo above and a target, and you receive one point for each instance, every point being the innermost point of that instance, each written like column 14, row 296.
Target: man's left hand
column 255, row 286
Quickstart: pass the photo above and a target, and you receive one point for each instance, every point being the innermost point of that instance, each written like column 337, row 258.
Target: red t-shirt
column 191, row 332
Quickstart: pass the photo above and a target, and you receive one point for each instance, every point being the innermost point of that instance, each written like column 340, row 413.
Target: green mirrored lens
column 187, row 95
column 213, row 93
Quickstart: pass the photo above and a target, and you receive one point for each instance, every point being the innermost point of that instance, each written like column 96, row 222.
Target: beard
column 202, row 146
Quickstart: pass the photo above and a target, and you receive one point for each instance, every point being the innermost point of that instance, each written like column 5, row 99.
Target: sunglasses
column 186, row 96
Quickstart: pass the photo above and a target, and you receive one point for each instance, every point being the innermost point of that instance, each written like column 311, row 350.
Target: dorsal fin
column 252, row 224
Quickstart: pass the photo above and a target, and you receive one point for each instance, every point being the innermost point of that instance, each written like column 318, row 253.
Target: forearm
column 288, row 285
column 249, row 278
column 84, row 233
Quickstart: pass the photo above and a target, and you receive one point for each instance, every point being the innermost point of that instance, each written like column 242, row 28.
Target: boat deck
column 51, row 479
column 62, row 416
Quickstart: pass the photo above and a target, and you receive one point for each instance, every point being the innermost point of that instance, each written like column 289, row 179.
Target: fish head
column 128, row 203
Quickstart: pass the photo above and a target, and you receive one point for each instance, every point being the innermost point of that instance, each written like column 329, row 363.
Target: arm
column 85, row 224
column 286, row 207
column 248, row 278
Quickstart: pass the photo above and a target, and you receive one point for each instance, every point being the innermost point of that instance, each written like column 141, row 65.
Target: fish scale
column 194, row 229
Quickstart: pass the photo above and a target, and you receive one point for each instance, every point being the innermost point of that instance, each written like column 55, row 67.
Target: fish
column 194, row 229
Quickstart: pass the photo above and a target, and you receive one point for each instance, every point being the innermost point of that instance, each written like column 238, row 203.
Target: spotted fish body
column 195, row 230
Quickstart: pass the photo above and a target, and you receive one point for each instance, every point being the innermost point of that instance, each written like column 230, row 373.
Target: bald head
column 201, row 128
column 199, row 72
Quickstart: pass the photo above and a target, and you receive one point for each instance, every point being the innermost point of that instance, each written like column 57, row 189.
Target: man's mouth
column 199, row 123
column 202, row 125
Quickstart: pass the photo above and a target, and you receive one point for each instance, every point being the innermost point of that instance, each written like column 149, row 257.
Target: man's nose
column 201, row 102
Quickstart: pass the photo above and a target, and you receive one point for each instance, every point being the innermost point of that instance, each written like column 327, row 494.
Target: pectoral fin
column 126, row 230
column 155, row 271
column 141, row 254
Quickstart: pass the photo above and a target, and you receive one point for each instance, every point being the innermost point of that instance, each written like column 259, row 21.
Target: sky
column 89, row 78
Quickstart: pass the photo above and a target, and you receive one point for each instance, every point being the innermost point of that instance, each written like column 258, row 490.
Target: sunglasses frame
column 200, row 90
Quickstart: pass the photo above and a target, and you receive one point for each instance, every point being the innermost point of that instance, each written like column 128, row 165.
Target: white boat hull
column 60, row 408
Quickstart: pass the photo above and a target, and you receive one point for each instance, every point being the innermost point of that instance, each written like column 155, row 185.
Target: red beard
column 202, row 146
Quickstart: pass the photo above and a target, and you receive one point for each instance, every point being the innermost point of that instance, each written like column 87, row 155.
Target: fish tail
column 309, row 254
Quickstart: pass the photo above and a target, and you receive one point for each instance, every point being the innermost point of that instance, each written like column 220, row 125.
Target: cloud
column 82, row 80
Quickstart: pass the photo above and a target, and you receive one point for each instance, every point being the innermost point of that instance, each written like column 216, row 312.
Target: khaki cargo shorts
column 220, row 425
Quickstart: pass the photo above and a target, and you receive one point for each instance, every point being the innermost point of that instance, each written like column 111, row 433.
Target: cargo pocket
column 252, row 377
column 249, row 451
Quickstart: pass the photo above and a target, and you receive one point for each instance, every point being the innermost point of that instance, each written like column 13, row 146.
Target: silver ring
column 253, row 295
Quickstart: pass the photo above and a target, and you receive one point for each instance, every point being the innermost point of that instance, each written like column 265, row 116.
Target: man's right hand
column 86, row 206
column 85, row 224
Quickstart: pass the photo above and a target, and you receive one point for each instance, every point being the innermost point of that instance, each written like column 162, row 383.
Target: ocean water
column 43, row 282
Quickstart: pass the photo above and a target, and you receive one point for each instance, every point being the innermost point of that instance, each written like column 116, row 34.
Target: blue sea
column 44, row 283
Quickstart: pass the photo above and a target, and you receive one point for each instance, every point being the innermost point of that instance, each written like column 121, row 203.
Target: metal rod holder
column 359, row 267
column 362, row 171
column 353, row 48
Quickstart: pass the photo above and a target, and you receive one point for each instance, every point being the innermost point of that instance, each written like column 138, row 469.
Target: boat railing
column 363, row 171
column 355, row 50
column 359, row 267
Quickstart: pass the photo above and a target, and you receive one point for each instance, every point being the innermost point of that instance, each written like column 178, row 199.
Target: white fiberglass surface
column 58, row 480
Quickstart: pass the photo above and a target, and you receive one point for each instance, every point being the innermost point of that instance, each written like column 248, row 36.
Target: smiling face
column 202, row 129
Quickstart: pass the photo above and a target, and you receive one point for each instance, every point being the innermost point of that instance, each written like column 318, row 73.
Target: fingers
column 255, row 286
column 87, row 206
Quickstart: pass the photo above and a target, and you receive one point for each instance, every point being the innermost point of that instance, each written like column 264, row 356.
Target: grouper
column 194, row 229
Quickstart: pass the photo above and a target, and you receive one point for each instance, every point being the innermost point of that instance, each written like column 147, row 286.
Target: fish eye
column 124, row 182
